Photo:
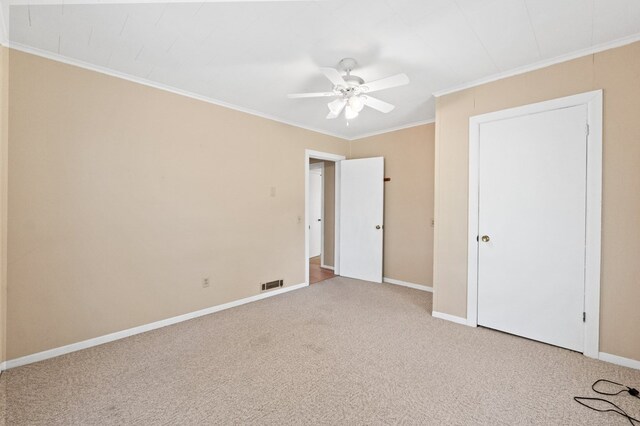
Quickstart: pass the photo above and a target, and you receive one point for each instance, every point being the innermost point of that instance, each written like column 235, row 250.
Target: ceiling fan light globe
column 336, row 106
column 356, row 103
column 350, row 113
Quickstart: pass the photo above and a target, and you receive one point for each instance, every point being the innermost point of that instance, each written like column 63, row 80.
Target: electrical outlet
column 205, row 283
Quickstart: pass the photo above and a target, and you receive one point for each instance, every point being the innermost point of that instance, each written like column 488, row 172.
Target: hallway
column 317, row 273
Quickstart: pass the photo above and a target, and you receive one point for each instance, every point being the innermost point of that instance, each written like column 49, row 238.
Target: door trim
column 593, row 101
column 308, row 153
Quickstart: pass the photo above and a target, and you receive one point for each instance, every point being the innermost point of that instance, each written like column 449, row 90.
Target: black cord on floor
column 630, row 391
column 583, row 400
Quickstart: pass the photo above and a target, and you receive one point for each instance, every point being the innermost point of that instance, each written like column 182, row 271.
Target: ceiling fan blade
column 385, row 83
column 334, row 76
column 311, row 95
column 377, row 104
column 335, row 108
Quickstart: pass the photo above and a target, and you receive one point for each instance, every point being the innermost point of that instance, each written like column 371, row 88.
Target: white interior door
column 532, row 195
column 361, row 218
column 315, row 212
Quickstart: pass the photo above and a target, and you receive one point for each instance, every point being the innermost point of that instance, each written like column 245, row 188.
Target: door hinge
column 588, row 130
column 584, row 317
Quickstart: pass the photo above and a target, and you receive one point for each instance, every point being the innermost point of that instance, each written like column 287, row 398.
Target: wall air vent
column 272, row 284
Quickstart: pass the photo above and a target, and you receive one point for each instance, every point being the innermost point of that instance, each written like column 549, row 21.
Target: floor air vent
column 272, row 284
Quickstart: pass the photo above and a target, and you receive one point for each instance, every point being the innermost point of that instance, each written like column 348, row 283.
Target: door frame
column 320, row 166
column 593, row 101
column 318, row 155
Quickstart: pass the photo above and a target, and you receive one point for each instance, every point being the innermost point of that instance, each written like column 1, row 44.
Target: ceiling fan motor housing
column 347, row 65
column 353, row 80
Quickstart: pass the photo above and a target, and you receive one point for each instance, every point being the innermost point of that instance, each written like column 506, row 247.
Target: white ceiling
column 252, row 54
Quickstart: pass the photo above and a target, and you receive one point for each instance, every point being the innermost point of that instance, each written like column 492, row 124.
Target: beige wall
column 122, row 198
column 4, row 138
column 616, row 71
column 408, row 212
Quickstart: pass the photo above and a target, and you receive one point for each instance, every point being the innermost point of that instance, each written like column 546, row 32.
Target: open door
column 361, row 218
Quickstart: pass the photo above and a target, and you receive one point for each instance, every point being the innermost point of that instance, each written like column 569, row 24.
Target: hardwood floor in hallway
column 317, row 273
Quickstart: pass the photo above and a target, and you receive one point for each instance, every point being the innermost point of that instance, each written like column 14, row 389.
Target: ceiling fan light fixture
column 350, row 113
column 350, row 91
column 356, row 103
column 336, row 106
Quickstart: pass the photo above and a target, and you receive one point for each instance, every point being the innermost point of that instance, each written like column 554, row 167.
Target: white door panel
column 315, row 213
column 532, row 195
column 361, row 216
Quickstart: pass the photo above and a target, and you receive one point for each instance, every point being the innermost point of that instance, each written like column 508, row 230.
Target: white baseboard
column 406, row 284
column 3, row 366
column 618, row 360
column 327, row 267
column 51, row 353
column 447, row 317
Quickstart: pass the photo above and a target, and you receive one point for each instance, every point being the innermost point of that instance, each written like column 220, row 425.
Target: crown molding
column 145, row 82
column 393, row 129
column 542, row 64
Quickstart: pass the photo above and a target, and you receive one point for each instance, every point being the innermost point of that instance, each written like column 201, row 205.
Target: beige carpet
column 340, row 352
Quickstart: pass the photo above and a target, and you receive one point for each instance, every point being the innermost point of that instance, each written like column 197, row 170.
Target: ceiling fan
column 352, row 92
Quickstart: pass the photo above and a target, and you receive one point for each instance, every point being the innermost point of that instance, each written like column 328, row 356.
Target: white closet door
column 315, row 212
column 532, row 194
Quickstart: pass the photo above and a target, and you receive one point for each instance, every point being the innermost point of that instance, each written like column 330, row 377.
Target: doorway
column 534, row 221
column 316, row 207
column 322, row 169
column 321, row 215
